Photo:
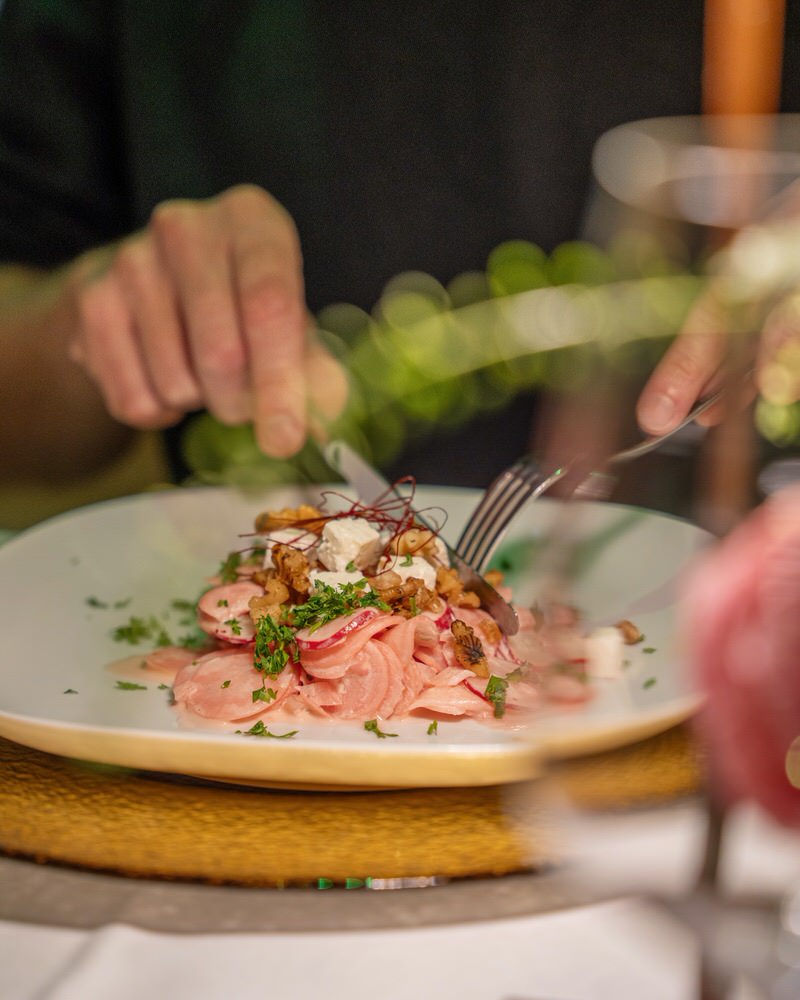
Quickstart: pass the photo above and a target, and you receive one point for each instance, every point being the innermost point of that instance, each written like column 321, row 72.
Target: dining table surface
column 84, row 928
column 67, row 933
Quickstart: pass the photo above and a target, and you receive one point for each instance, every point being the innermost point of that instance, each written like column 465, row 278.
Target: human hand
column 205, row 308
column 756, row 277
column 741, row 619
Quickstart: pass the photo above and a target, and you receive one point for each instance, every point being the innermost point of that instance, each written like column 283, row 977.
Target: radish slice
column 334, row 631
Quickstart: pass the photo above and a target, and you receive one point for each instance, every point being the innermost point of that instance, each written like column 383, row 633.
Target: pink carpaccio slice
column 335, row 660
column 220, row 685
column 365, row 685
column 168, row 660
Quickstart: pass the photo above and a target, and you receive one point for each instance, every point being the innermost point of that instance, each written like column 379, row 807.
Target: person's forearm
column 53, row 424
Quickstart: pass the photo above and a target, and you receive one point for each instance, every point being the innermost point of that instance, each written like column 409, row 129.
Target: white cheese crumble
column 605, row 653
column 348, row 540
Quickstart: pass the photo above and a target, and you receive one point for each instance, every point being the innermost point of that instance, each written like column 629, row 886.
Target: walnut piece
column 449, row 585
column 415, row 542
column 291, row 567
column 305, row 516
column 494, row 577
column 468, row 649
column 491, row 631
column 260, row 607
column 406, row 597
column 631, row 634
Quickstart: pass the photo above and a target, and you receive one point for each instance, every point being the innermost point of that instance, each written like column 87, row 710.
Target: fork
column 525, row 480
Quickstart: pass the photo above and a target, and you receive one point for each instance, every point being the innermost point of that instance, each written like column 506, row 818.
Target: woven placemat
column 64, row 811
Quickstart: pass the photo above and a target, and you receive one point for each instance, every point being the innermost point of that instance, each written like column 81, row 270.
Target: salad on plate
column 355, row 614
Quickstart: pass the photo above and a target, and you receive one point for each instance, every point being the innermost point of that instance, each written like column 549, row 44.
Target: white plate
column 160, row 546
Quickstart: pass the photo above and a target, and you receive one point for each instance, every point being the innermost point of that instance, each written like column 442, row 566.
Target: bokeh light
column 430, row 356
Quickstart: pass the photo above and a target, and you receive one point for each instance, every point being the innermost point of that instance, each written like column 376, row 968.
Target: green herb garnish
column 433, row 728
column 130, row 686
column 408, row 561
column 95, row 602
column 227, row 569
column 495, row 692
column 649, row 649
column 264, row 694
column 225, row 684
column 372, row 727
column 164, row 687
column 222, row 603
column 181, row 604
column 327, row 603
column 259, row 729
column 351, row 567
column 235, row 625
column 196, row 639
column 139, row 630
column 274, row 646
column 70, row 691
column 649, row 682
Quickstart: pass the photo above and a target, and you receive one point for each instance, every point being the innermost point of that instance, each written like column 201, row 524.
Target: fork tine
column 503, row 499
column 496, row 525
column 496, row 493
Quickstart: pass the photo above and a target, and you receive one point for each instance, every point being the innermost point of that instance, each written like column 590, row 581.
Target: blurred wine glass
column 678, row 195
column 679, row 186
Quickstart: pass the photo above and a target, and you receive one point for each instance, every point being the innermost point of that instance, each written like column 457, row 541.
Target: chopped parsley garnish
column 433, row 728
column 649, row 649
column 259, row 729
column 372, row 727
column 222, row 603
column 70, row 691
column 196, row 639
column 408, row 561
column 164, row 687
column 227, row 569
column 496, row 688
column 412, row 605
column 95, row 602
column 235, row 625
column 274, row 646
column 327, row 603
column 181, row 604
column 263, row 694
column 130, row 686
column 649, row 682
column 225, row 684
column 351, row 567
column 139, row 630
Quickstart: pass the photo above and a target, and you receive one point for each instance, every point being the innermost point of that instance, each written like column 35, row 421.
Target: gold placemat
column 54, row 809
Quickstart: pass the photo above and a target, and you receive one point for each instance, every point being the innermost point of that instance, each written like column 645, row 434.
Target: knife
column 370, row 485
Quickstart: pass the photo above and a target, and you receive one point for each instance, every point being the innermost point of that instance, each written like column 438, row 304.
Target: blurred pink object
column 742, row 628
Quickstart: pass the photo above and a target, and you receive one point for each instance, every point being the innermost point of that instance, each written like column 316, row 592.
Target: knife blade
column 370, row 485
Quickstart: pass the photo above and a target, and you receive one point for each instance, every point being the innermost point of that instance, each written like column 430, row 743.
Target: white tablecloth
column 621, row 949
